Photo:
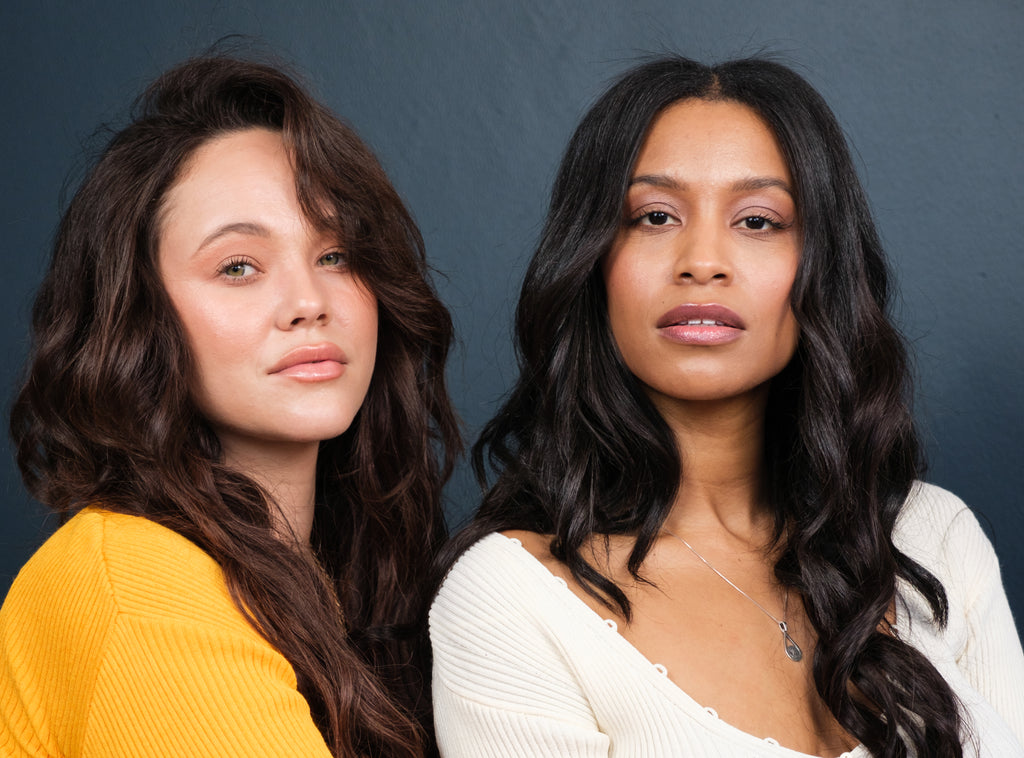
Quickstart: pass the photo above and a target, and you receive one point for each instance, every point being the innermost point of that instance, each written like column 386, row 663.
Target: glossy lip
column 312, row 363
column 726, row 325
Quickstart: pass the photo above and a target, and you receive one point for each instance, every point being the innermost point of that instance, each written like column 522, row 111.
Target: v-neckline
column 656, row 672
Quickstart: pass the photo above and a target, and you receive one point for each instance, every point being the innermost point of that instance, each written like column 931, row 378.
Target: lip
column 312, row 363
column 718, row 325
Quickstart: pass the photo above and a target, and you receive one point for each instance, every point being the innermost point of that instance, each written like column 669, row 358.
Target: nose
column 702, row 254
column 304, row 300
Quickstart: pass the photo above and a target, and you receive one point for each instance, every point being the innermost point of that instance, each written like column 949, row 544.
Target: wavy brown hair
column 105, row 415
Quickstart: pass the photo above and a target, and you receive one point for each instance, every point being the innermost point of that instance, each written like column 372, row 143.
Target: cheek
column 620, row 322
column 217, row 333
column 623, row 285
column 222, row 340
column 788, row 330
column 357, row 310
column 776, row 287
column 367, row 335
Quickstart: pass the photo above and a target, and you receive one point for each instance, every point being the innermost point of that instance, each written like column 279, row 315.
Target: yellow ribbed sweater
column 119, row 638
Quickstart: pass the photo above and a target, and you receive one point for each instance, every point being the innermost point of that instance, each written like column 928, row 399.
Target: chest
column 724, row 652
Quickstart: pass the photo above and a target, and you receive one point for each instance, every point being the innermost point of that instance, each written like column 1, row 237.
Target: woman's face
column 283, row 335
column 699, row 277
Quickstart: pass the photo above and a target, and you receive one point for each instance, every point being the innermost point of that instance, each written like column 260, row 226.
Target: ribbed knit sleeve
column 939, row 531
column 501, row 684
column 119, row 638
column 993, row 660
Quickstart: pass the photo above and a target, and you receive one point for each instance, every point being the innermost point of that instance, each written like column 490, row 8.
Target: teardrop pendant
column 792, row 649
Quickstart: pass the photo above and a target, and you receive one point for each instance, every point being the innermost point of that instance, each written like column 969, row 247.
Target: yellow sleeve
column 166, row 690
column 119, row 638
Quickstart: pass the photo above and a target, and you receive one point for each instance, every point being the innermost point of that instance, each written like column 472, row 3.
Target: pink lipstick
column 312, row 363
column 701, row 324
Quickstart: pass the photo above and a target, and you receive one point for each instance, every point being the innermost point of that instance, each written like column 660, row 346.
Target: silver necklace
column 792, row 649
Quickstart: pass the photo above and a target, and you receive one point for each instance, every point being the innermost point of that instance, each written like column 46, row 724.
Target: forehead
column 711, row 139
column 225, row 171
column 234, row 158
column 239, row 183
column 238, row 174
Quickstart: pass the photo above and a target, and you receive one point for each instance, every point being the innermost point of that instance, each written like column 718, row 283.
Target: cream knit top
column 522, row 667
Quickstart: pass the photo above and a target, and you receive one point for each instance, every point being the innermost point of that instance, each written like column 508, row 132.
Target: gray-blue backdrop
column 469, row 104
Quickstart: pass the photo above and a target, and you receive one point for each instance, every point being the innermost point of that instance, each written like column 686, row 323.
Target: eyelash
column 243, row 262
column 773, row 223
column 638, row 218
column 232, row 263
column 342, row 258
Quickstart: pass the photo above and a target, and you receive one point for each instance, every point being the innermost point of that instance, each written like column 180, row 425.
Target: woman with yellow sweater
column 236, row 401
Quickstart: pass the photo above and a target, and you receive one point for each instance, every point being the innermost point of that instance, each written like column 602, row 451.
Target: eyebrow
column 760, row 182
column 742, row 185
column 239, row 227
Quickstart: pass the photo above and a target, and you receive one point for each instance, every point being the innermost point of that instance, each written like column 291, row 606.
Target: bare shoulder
column 539, row 546
column 536, row 544
column 608, row 554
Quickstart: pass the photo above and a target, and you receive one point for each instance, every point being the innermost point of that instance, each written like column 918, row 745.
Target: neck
column 721, row 446
column 288, row 474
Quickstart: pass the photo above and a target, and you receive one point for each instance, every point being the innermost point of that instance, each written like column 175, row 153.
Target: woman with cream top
column 704, row 534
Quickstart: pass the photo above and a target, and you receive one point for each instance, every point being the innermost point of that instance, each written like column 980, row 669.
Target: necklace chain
column 792, row 649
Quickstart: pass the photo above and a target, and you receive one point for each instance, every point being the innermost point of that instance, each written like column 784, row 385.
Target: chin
column 319, row 432
column 709, row 392
column 296, row 431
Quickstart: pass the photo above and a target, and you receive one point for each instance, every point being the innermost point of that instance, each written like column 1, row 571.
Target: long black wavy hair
column 578, row 449
column 106, row 415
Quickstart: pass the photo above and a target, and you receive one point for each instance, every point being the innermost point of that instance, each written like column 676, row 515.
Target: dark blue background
column 469, row 104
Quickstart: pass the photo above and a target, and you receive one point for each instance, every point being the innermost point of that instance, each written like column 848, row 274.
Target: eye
column 759, row 223
column 333, row 258
column 238, row 269
column 655, row 218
